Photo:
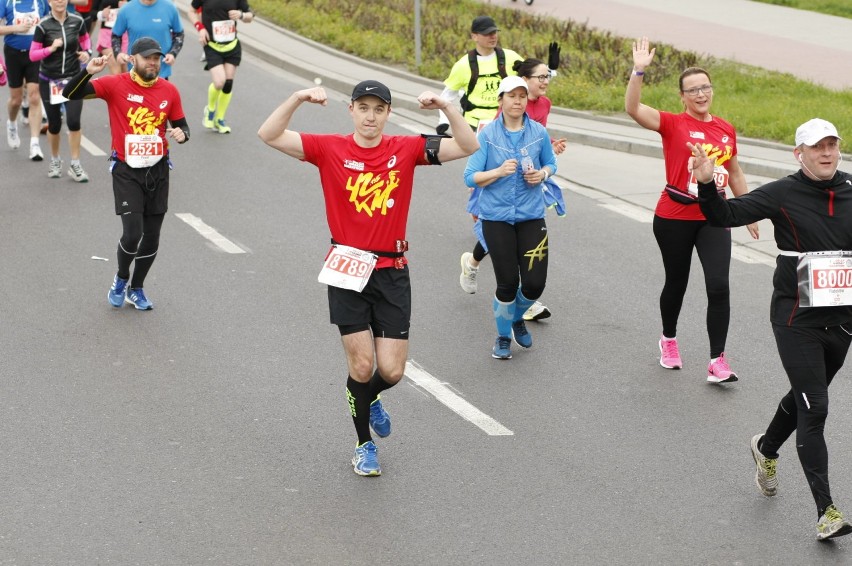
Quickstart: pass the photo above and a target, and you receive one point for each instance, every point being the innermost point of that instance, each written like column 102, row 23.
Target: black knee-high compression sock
column 377, row 385
column 359, row 397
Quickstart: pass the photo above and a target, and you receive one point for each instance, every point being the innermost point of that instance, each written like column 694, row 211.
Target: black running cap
column 146, row 46
column 484, row 25
column 371, row 88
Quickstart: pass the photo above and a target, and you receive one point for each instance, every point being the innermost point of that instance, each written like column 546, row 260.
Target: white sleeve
column 453, row 97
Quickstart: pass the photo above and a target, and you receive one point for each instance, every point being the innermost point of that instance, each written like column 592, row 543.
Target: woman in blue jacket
column 514, row 159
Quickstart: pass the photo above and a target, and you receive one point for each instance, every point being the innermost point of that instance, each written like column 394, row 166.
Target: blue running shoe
column 502, row 348
column 365, row 462
column 137, row 298
column 379, row 419
column 117, row 291
column 521, row 334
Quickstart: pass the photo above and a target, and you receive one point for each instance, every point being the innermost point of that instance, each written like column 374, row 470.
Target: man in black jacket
column 811, row 316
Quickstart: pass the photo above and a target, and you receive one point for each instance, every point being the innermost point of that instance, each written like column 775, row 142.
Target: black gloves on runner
column 553, row 56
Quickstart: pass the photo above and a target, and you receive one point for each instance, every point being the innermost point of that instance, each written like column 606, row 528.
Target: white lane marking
column 211, row 234
column 748, row 255
column 631, row 211
column 458, row 405
column 90, row 147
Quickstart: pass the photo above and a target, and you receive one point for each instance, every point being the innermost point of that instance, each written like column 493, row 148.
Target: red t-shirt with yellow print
column 137, row 109
column 367, row 190
column 719, row 140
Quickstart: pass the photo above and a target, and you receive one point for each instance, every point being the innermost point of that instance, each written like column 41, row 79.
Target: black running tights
column 519, row 255
column 676, row 239
column 139, row 241
column 811, row 357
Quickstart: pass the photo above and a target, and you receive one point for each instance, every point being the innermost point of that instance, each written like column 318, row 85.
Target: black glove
column 441, row 129
column 553, row 56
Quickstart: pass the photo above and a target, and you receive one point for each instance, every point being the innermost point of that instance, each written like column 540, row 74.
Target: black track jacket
column 807, row 216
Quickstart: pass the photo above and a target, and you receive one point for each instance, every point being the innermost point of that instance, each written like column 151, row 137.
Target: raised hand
column 642, row 55
column 700, row 164
column 553, row 52
column 315, row 95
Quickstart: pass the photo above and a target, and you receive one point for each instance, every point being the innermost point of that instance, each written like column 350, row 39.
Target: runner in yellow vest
column 478, row 74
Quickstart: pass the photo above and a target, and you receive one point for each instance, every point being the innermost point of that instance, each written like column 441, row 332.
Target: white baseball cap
column 510, row 83
column 812, row 131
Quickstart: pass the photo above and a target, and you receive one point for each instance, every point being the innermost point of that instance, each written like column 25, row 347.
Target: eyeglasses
column 706, row 89
column 542, row 78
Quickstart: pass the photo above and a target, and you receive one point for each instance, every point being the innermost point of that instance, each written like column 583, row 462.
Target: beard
column 147, row 74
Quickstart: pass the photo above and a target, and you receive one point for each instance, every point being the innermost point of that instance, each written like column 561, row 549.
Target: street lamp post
column 417, row 33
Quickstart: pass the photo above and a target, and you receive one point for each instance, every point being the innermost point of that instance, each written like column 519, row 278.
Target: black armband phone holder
column 433, row 145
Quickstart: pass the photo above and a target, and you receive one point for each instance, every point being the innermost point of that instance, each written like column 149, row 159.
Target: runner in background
column 61, row 43
column 18, row 19
column 478, row 75
column 106, row 13
column 157, row 19
column 217, row 31
column 84, row 8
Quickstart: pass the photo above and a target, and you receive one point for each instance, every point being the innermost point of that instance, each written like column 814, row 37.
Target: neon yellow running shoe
column 222, row 128
column 207, row 122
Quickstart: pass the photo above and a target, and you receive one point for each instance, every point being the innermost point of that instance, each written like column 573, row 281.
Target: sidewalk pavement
column 610, row 159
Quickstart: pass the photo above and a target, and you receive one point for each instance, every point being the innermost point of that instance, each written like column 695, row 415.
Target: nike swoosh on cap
column 369, row 88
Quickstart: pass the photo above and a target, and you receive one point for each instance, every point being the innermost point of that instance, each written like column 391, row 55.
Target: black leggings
column 73, row 110
column 811, row 358
column 479, row 252
column 519, row 256
column 676, row 239
column 139, row 241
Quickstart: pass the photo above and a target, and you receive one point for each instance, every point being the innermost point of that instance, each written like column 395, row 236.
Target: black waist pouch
column 682, row 197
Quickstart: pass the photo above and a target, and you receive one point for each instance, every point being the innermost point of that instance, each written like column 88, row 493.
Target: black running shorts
column 19, row 67
column 214, row 58
column 383, row 306
column 144, row 190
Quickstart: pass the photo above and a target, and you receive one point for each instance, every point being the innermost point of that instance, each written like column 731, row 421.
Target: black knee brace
column 228, row 86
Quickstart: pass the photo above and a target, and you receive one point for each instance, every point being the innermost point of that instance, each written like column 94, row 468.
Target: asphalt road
column 214, row 429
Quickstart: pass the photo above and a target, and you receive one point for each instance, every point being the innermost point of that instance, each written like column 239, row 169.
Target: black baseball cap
column 146, row 46
column 483, row 25
column 371, row 88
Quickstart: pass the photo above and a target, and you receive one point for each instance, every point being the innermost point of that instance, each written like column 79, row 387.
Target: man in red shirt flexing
column 367, row 179
column 141, row 106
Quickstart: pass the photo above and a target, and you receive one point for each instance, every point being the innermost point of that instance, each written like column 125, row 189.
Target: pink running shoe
column 669, row 354
column 719, row 371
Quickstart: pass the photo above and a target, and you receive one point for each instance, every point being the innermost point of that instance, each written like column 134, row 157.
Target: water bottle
column 526, row 161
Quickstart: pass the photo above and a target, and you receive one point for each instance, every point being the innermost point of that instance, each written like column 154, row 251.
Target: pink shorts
column 105, row 40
